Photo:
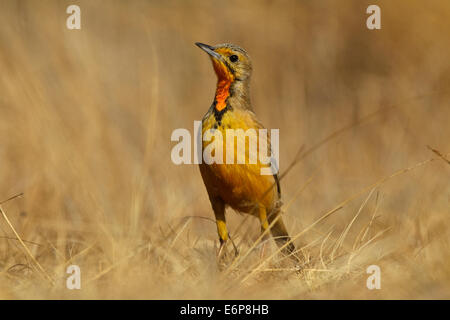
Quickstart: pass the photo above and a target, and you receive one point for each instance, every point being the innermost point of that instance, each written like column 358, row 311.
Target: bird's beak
column 209, row 50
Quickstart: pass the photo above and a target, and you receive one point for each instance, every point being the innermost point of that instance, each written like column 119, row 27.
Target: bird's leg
column 219, row 212
column 264, row 227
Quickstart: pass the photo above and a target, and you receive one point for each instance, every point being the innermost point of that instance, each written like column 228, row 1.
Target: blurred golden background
column 85, row 123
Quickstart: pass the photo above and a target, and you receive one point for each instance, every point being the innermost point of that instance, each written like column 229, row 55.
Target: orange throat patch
column 222, row 93
column 226, row 78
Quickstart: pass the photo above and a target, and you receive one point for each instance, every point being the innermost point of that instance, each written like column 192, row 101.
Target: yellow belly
column 241, row 186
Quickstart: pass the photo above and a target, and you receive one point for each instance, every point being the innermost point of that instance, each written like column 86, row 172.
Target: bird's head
column 231, row 63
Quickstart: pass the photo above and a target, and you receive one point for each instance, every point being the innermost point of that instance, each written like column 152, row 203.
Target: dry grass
column 85, row 124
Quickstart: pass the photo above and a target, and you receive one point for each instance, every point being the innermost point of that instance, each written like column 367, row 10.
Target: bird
column 240, row 186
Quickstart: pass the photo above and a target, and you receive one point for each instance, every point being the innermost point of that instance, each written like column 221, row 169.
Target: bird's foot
column 222, row 253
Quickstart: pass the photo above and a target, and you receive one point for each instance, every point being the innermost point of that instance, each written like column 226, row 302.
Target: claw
column 221, row 249
column 236, row 251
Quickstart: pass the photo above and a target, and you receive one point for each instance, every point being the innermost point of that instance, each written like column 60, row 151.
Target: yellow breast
column 237, row 178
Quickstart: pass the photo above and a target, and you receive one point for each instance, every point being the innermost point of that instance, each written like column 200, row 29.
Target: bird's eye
column 234, row 58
